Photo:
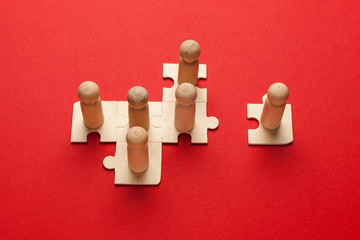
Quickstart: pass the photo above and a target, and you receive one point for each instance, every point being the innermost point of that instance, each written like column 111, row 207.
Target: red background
column 52, row 189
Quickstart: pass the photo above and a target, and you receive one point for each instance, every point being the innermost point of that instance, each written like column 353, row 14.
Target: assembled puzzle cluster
column 139, row 126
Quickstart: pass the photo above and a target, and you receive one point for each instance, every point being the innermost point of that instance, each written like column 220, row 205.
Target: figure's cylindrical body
column 184, row 120
column 138, row 99
column 90, row 102
column 137, row 149
column 188, row 72
column 189, row 62
column 274, row 106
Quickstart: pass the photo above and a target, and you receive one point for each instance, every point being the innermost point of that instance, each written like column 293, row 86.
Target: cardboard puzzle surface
column 161, row 130
column 283, row 135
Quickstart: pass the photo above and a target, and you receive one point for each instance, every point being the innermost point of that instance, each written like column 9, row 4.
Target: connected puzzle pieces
column 161, row 130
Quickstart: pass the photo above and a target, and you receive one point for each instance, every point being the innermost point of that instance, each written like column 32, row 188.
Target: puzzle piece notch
column 170, row 70
column 283, row 135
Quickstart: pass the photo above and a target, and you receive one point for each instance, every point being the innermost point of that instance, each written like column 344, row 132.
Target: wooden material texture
column 138, row 99
column 274, row 106
column 282, row 135
column 184, row 119
column 166, row 120
column 90, row 102
column 189, row 62
column 137, row 149
column 119, row 162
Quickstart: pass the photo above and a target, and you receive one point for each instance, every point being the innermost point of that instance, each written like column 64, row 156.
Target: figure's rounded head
column 89, row 92
column 186, row 94
column 278, row 93
column 190, row 51
column 137, row 97
column 137, row 137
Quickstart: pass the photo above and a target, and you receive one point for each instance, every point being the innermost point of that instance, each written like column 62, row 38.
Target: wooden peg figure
column 274, row 106
column 185, row 95
column 189, row 62
column 138, row 99
column 137, row 149
column 90, row 102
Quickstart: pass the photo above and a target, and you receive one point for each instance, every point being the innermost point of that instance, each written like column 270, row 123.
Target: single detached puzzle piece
column 282, row 135
column 119, row 162
column 114, row 116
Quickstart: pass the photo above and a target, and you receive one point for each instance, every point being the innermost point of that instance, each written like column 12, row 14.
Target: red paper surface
column 52, row 189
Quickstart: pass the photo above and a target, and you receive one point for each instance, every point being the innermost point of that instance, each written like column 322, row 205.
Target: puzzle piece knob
column 278, row 93
column 190, row 51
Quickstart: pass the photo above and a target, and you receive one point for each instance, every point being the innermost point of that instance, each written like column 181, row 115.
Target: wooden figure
column 274, row 106
column 138, row 99
column 185, row 107
column 189, row 62
column 90, row 102
column 137, row 149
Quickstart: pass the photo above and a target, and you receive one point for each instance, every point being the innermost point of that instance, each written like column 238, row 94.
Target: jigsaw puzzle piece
column 154, row 132
column 113, row 117
column 283, row 135
column 155, row 109
column 124, row 176
column 198, row 133
column 119, row 162
column 202, row 124
column 170, row 70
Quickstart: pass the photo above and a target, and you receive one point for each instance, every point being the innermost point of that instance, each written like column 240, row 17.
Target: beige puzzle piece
column 166, row 120
column 114, row 129
column 170, row 70
column 198, row 133
column 114, row 116
column 119, row 163
column 283, row 135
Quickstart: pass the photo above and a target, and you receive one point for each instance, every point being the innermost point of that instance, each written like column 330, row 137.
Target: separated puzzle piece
column 283, row 135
